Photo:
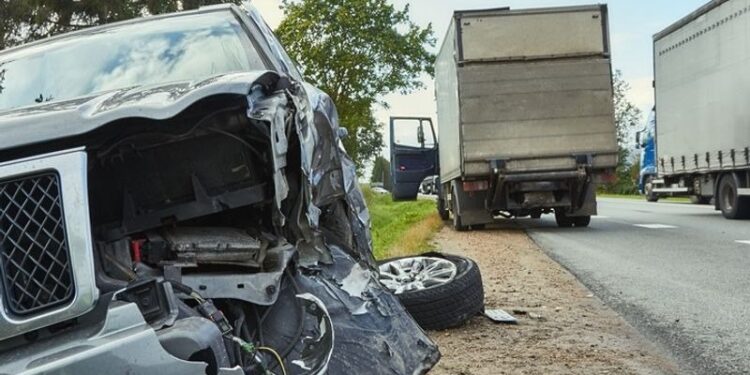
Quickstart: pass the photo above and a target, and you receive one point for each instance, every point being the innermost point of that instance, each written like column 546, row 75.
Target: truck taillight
column 470, row 186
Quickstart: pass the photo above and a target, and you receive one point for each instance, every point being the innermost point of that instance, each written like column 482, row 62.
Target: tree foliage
column 381, row 172
column 357, row 51
column 23, row 21
column 627, row 117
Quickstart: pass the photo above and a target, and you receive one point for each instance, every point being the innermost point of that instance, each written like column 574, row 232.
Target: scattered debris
column 500, row 316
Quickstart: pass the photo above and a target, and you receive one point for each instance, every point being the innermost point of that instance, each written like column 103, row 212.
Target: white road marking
column 746, row 242
column 655, row 226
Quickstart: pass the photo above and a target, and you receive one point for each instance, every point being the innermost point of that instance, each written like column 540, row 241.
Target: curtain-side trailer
column 701, row 86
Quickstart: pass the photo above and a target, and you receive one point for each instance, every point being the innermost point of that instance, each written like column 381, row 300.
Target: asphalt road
column 680, row 273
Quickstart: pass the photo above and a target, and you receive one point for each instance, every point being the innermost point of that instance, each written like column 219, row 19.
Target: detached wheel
column 733, row 206
column 440, row 291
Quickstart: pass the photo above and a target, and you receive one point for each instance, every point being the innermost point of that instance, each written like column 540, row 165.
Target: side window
column 414, row 133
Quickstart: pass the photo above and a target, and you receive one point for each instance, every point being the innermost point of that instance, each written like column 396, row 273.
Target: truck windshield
column 181, row 48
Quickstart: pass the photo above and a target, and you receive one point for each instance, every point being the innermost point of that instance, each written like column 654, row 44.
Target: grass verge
column 401, row 228
column 640, row 197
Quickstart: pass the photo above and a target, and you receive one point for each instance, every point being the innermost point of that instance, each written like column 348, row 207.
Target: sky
column 632, row 25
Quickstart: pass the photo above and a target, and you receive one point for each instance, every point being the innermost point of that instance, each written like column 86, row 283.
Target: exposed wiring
column 275, row 354
column 300, row 322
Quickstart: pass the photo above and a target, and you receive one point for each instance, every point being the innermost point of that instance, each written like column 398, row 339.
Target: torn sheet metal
column 383, row 339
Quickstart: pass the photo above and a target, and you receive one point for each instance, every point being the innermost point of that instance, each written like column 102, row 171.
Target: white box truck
column 525, row 117
column 702, row 81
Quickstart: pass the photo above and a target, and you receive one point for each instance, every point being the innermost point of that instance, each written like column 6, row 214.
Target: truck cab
column 646, row 142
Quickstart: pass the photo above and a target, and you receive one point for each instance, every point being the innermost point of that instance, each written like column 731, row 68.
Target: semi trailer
column 525, row 117
column 702, row 126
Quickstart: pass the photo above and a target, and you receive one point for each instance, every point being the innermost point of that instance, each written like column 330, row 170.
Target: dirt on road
column 563, row 328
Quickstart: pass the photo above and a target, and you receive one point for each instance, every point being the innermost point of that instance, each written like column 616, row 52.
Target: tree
column 627, row 116
column 24, row 21
column 381, row 172
column 357, row 51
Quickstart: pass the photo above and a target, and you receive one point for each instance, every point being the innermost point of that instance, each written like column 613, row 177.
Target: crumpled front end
column 231, row 223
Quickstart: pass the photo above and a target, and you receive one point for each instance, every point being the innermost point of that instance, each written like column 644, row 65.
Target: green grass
column 400, row 228
column 642, row 198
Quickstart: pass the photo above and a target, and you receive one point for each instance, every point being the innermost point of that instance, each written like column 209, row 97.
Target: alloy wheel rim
column 417, row 273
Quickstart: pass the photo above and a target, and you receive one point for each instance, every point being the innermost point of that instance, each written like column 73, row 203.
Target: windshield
column 171, row 49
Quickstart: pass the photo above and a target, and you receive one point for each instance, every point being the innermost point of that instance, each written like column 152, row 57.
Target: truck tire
column 582, row 221
column 565, row 221
column 458, row 226
column 442, row 210
column 733, row 206
column 649, row 190
column 562, row 219
column 697, row 199
column 443, row 305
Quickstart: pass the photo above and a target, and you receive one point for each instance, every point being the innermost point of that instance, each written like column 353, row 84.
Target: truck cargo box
column 529, row 88
column 702, row 84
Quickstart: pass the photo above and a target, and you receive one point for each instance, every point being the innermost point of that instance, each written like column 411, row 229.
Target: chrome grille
column 34, row 256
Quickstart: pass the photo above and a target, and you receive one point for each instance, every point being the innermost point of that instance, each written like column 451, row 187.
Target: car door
column 414, row 155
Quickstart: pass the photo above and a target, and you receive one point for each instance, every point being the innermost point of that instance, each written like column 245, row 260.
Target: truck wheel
column 457, row 224
column 649, row 189
column 440, row 291
column 697, row 199
column 562, row 219
column 442, row 210
column 733, row 206
column 582, row 221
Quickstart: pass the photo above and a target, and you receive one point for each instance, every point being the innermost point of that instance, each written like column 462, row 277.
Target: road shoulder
column 563, row 328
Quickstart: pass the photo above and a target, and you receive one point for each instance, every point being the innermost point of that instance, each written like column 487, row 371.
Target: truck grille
column 34, row 258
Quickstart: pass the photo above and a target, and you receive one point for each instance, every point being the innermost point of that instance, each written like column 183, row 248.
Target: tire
column 697, row 199
column 562, row 219
column 447, row 305
column 582, row 221
column 649, row 190
column 458, row 226
column 733, row 206
column 536, row 215
column 442, row 210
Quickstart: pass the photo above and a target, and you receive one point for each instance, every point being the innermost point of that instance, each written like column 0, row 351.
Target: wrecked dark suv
column 174, row 199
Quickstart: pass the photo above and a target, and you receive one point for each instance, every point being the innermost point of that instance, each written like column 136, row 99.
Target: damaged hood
column 62, row 119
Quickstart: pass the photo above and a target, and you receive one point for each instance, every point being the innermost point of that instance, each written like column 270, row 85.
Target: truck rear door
column 414, row 155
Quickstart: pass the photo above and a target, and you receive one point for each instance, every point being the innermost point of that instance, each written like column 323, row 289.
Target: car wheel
column 440, row 291
column 536, row 214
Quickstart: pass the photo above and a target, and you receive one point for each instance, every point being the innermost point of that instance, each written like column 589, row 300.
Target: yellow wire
column 275, row 354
